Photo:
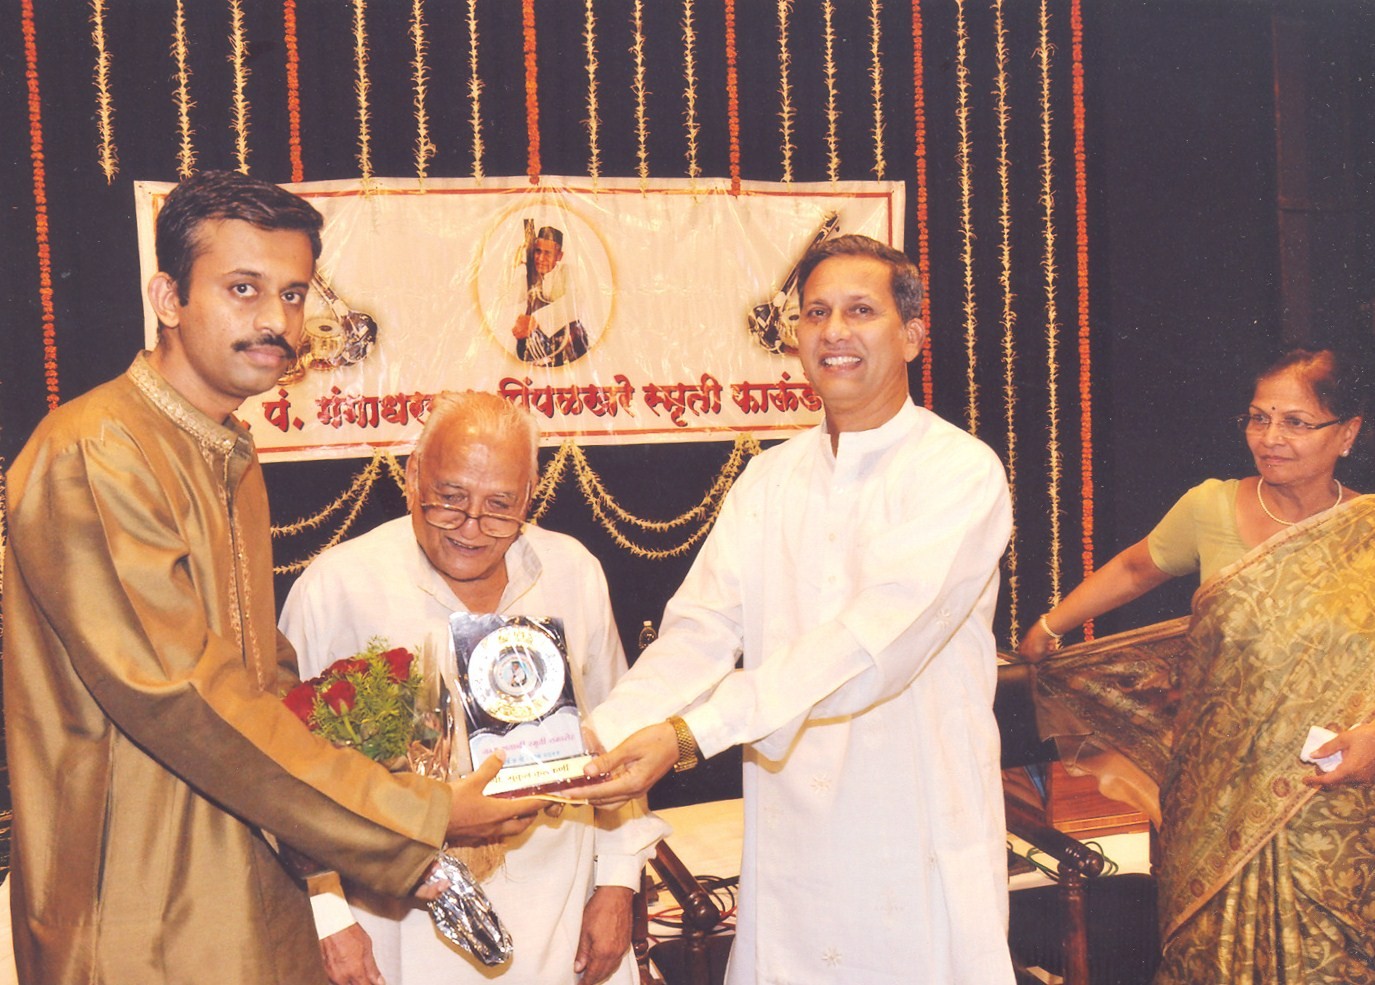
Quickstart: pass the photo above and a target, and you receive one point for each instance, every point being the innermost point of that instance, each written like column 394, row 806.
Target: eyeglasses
column 447, row 517
column 1289, row 427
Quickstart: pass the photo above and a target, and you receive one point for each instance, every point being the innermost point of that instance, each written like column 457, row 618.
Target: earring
column 1346, row 452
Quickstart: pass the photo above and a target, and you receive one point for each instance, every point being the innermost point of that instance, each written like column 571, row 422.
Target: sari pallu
column 1265, row 879
column 1262, row 878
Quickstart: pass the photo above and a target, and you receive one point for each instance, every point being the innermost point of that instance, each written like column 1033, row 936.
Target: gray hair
column 488, row 414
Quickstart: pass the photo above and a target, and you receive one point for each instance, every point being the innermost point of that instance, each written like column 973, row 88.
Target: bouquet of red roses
column 372, row 702
column 367, row 702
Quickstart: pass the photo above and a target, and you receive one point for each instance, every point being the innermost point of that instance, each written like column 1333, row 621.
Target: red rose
column 301, row 700
column 339, row 696
column 346, row 666
column 399, row 663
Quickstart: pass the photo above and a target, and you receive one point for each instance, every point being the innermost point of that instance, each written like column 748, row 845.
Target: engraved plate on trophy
column 518, row 695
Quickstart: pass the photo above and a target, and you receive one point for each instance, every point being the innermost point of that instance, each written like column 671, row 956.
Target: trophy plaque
column 518, row 695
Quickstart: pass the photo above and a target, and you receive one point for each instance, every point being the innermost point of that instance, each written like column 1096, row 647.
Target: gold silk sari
column 1263, row 879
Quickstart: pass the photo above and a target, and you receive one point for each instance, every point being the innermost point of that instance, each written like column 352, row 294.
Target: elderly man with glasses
column 563, row 888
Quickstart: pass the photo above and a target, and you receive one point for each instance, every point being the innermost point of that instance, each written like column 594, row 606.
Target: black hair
column 906, row 279
column 213, row 195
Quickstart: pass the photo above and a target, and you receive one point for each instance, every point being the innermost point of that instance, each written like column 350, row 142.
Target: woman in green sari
column 1268, row 868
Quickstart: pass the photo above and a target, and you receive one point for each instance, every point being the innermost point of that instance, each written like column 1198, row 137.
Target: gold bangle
column 688, row 753
column 1057, row 637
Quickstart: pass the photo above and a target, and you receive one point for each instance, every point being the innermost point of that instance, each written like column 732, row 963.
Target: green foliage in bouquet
column 366, row 702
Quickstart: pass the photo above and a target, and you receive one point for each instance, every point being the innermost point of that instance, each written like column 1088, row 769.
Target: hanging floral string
column 293, row 88
column 354, row 497
column 923, row 235
column 2, row 542
column 1009, row 310
column 832, row 113
column 732, row 98
column 608, row 511
column 963, row 158
column 420, row 79
column 109, row 157
column 1081, row 219
column 876, row 78
column 474, row 91
column 637, row 48
column 690, row 90
column 186, row 151
column 532, row 167
column 362, row 87
column 611, row 515
column 1048, row 266
column 238, row 57
column 594, row 123
column 40, row 203
column 785, row 89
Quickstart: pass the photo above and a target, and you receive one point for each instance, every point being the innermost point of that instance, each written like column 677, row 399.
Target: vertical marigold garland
column 832, row 112
column 923, row 235
column 186, row 151
column 594, row 122
column 40, row 203
column 532, row 166
column 362, row 88
column 1009, row 311
column 109, row 156
column 474, row 91
column 420, row 80
column 1081, row 219
column 238, row 57
column 876, row 78
column 691, row 125
column 785, row 90
column 732, row 99
column 1052, row 312
column 290, row 41
column 637, row 48
column 965, row 167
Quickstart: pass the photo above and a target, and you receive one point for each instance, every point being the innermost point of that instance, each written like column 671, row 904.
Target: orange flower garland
column 1081, row 216
column 293, row 88
column 923, row 235
column 532, row 167
column 420, row 76
column 594, row 120
column 474, row 91
column 876, row 77
column 732, row 99
column 641, row 92
column 829, row 73
column 40, row 203
column 361, row 87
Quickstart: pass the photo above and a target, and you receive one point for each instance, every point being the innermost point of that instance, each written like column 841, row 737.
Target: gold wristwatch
column 688, row 753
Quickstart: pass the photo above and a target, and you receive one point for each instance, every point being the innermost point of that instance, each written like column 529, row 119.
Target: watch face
column 516, row 673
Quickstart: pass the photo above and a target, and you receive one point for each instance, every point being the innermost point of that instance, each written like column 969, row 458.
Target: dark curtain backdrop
column 1191, row 208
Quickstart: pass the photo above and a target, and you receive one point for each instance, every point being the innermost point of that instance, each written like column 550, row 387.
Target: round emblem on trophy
column 516, row 673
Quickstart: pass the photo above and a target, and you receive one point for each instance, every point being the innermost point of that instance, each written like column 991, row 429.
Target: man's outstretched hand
column 632, row 767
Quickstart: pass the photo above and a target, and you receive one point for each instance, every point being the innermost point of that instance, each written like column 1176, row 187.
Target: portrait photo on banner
column 616, row 313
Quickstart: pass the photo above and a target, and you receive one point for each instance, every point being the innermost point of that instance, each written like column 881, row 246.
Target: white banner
column 616, row 314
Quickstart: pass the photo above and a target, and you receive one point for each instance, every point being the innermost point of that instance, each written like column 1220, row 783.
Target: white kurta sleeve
column 917, row 585
column 626, row 837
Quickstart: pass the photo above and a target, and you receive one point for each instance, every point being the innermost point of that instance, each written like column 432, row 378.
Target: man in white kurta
column 384, row 584
column 856, row 568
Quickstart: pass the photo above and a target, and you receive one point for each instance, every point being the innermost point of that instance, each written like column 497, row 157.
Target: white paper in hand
column 1317, row 736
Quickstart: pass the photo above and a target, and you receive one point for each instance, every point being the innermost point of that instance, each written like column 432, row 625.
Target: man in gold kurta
column 153, row 764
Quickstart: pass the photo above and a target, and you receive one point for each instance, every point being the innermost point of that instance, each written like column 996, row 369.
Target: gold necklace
column 1289, row 523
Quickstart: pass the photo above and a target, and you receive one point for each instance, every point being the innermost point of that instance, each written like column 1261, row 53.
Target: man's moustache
column 277, row 340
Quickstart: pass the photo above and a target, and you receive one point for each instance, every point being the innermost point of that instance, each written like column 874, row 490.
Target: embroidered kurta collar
column 212, row 435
